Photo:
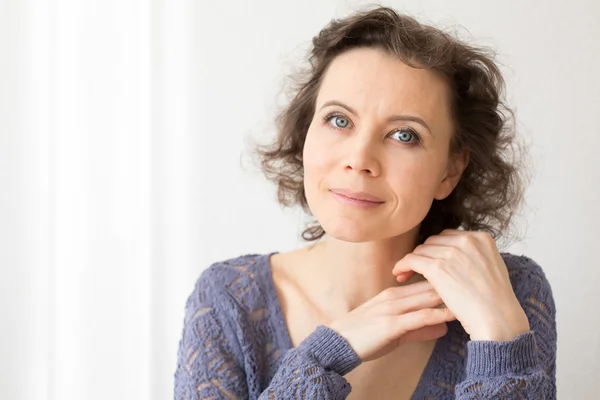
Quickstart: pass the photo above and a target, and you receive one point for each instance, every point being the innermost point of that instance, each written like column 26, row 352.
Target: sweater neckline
column 285, row 341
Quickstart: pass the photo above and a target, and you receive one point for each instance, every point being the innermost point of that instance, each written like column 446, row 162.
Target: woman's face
column 366, row 141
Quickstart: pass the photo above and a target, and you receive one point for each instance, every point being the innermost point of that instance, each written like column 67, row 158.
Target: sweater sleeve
column 524, row 367
column 314, row 369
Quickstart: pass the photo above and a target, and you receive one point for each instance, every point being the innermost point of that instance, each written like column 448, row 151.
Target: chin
column 350, row 231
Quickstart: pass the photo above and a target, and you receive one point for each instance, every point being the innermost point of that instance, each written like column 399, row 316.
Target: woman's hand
column 395, row 315
column 469, row 274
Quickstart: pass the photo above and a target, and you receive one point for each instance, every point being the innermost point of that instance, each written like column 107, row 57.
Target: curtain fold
column 95, row 204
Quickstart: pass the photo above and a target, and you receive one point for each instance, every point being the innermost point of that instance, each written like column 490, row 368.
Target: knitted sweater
column 235, row 345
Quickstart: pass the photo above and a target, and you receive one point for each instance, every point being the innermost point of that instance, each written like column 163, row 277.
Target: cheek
column 317, row 165
column 316, row 156
column 414, row 183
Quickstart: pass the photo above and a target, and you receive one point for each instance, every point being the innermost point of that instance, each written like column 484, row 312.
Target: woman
column 396, row 143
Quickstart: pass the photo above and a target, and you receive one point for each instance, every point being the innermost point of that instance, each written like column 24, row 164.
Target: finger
column 417, row 263
column 404, row 276
column 425, row 333
column 427, row 299
column 421, row 318
column 398, row 292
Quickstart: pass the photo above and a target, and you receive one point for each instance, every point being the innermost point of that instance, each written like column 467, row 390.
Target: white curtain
column 94, row 205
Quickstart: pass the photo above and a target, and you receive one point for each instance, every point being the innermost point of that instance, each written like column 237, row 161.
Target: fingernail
column 401, row 277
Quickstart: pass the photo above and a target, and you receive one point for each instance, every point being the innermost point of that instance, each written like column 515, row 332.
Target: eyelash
column 417, row 140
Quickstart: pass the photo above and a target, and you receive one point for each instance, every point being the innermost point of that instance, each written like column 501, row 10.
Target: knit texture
column 235, row 345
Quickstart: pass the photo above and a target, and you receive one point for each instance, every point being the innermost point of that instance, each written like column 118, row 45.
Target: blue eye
column 339, row 121
column 405, row 135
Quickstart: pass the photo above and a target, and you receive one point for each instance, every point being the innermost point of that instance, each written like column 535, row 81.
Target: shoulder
column 235, row 282
column 523, row 270
column 530, row 284
column 225, row 295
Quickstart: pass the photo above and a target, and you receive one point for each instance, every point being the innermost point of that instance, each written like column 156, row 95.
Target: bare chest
column 394, row 376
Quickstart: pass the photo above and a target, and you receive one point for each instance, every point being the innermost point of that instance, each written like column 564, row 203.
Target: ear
column 454, row 169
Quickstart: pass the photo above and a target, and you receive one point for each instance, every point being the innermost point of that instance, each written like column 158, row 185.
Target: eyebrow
column 390, row 119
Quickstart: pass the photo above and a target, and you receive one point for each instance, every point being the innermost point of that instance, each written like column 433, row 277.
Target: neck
column 348, row 274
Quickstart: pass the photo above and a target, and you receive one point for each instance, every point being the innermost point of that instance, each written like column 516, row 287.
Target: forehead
column 370, row 80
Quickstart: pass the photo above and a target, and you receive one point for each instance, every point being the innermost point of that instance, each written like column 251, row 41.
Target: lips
column 361, row 196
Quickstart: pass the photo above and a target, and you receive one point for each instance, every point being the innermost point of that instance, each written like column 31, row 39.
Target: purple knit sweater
column 235, row 345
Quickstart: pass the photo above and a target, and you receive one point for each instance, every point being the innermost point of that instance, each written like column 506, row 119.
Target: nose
column 361, row 156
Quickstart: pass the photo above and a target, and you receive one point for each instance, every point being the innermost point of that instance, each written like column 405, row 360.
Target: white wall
column 122, row 125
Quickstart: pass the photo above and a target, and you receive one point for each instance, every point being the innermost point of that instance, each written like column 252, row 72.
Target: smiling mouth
column 357, row 199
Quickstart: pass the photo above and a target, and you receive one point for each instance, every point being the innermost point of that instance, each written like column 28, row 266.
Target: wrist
column 501, row 330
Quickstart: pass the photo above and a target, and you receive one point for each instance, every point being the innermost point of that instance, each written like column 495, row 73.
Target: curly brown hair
column 491, row 187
